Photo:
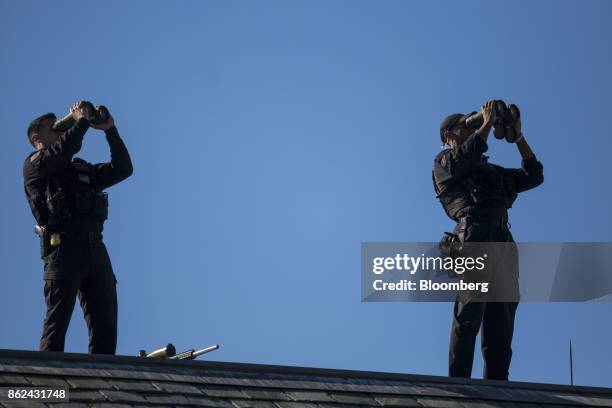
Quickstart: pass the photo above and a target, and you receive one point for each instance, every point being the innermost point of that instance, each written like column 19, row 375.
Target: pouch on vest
column 92, row 203
column 58, row 207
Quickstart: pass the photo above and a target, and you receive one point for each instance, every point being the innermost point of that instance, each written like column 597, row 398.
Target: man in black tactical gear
column 477, row 194
column 67, row 200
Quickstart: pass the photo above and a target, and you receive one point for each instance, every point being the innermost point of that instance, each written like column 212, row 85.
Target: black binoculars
column 100, row 114
column 503, row 128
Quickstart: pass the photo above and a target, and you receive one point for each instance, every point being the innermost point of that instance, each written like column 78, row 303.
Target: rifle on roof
column 169, row 352
column 193, row 354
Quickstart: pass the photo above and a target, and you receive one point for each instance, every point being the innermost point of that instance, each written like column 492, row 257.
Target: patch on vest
column 84, row 178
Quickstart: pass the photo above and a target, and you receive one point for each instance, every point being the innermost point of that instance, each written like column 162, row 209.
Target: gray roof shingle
column 123, row 381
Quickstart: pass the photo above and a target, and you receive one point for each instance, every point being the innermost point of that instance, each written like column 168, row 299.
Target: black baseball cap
column 450, row 121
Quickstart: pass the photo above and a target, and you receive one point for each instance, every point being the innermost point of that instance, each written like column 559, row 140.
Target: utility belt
column 452, row 243
column 50, row 240
column 500, row 221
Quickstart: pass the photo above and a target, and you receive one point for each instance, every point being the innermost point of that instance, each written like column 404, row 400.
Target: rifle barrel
column 193, row 354
column 205, row 350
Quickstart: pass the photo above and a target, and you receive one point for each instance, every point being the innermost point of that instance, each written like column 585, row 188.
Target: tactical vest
column 68, row 194
column 484, row 186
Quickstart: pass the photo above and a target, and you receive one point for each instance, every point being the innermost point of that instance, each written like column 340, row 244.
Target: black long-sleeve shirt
column 120, row 166
column 55, row 160
column 453, row 165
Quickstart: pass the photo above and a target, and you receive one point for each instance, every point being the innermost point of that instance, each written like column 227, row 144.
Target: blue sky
column 271, row 138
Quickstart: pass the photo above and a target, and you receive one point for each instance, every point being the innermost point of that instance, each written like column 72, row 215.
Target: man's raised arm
column 532, row 172
column 120, row 166
column 55, row 157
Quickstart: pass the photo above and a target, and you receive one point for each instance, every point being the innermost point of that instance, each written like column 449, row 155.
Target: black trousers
column 497, row 321
column 82, row 269
column 495, row 318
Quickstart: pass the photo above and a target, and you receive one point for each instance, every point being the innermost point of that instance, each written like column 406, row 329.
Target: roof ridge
column 131, row 361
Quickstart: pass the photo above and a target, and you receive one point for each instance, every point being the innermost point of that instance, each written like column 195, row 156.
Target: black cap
column 450, row 121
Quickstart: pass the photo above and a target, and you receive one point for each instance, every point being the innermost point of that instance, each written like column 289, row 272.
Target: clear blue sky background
column 271, row 138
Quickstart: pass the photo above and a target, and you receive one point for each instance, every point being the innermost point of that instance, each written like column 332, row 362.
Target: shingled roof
column 123, row 381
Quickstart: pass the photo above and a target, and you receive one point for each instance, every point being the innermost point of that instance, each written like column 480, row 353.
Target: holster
column 44, row 235
column 450, row 245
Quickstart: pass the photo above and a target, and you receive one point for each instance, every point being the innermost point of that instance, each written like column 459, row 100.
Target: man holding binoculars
column 477, row 195
column 67, row 200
